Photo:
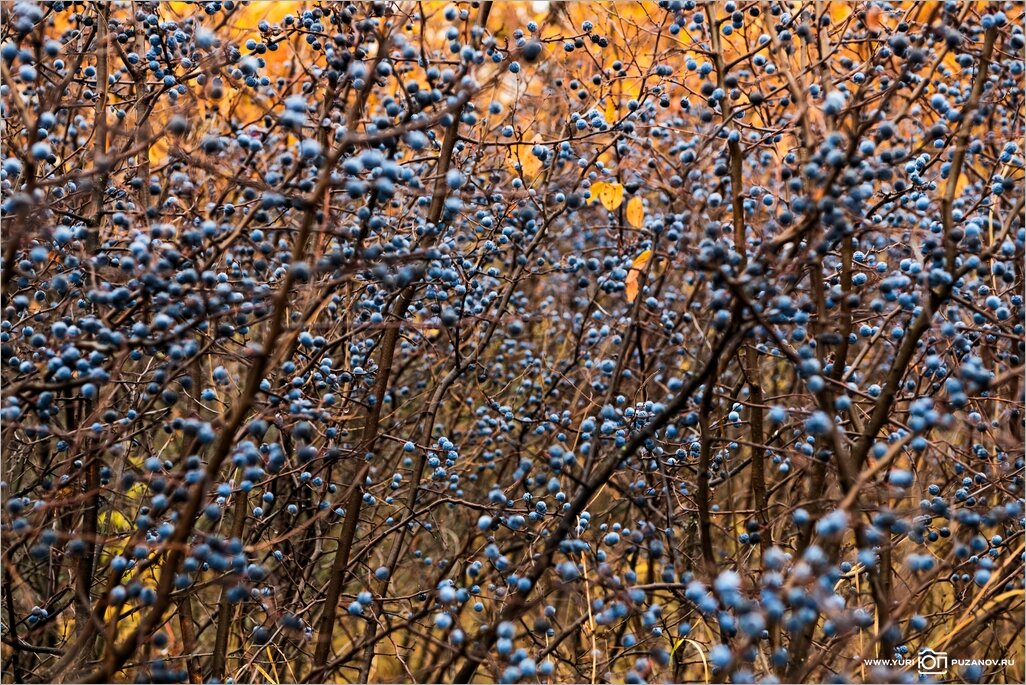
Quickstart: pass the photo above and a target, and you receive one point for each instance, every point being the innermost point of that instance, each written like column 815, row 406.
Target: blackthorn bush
column 512, row 342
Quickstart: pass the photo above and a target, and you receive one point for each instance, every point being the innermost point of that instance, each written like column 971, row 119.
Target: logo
column 932, row 663
column 935, row 664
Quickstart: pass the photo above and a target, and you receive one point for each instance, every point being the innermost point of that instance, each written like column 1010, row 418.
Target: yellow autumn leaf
column 610, row 110
column 609, row 194
column 636, row 212
column 113, row 522
column 127, row 619
column 523, row 157
column 157, row 152
column 873, row 19
column 637, row 266
column 115, row 526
